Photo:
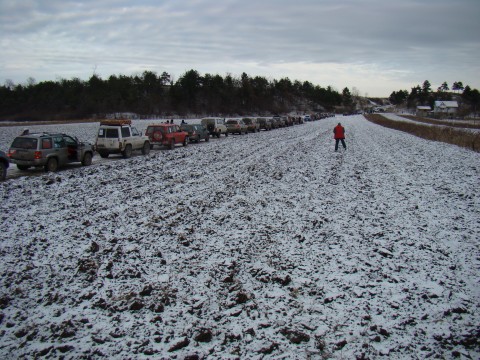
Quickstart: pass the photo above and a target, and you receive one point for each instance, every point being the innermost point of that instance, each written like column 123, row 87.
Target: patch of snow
column 266, row 245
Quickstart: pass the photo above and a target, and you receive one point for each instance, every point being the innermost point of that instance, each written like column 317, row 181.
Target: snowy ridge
column 267, row 245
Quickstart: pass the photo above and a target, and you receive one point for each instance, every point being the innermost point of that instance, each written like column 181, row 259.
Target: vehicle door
column 136, row 138
column 126, row 137
column 60, row 149
column 74, row 153
column 174, row 133
column 201, row 131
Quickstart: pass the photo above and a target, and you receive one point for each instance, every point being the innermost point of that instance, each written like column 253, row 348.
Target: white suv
column 215, row 126
column 120, row 137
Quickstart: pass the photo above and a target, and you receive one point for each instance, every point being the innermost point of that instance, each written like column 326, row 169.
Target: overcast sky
column 374, row 46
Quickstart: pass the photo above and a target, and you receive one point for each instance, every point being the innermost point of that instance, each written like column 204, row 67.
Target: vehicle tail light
column 37, row 155
column 11, row 152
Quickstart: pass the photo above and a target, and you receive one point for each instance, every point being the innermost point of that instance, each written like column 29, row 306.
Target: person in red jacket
column 339, row 135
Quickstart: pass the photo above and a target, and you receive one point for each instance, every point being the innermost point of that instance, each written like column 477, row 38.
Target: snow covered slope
column 266, row 245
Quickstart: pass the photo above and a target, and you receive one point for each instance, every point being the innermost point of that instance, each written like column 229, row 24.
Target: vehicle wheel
column 172, row 144
column 146, row 148
column 22, row 167
column 87, row 159
column 3, row 171
column 185, row 141
column 127, row 152
column 52, row 165
column 226, row 134
column 103, row 154
column 207, row 139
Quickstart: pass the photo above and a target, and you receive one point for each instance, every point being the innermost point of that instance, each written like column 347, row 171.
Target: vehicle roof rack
column 41, row 133
column 116, row 122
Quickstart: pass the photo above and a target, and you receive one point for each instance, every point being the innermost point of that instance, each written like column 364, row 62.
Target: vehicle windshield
column 247, row 121
column 25, row 143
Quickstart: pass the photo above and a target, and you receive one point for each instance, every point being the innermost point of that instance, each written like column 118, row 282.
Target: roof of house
column 446, row 104
column 424, row 108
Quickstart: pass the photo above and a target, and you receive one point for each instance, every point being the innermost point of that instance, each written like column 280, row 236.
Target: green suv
column 196, row 132
column 49, row 150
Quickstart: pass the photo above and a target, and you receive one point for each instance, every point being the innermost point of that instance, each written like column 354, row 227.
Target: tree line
column 152, row 94
column 424, row 95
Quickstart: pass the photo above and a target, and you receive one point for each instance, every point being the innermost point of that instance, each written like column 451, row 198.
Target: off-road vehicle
column 50, row 150
column 278, row 122
column 252, row 124
column 265, row 123
column 120, row 137
column 215, row 126
column 196, row 132
column 236, row 126
column 166, row 135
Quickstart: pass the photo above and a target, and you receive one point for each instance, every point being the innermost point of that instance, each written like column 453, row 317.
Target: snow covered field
column 266, row 245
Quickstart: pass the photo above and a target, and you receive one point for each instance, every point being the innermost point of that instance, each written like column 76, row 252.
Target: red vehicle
column 166, row 135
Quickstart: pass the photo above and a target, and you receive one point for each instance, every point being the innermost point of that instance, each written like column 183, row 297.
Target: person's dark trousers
column 343, row 144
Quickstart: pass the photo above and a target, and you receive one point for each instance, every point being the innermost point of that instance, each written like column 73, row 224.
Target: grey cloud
column 408, row 36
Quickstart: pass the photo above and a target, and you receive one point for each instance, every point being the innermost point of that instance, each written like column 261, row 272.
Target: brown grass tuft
column 444, row 134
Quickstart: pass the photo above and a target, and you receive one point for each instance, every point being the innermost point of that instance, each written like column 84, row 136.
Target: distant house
column 423, row 110
column 445, row 108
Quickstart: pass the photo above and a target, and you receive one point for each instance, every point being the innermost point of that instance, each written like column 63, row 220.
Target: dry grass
column 451, row 123
column 446, row 134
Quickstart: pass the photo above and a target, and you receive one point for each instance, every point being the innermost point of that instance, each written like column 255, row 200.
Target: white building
column 445, row 107
column 423, row 110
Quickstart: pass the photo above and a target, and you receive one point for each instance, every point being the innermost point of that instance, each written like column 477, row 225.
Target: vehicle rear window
column 24, row 143
column 232, row 122
column 108, row 133
column 152, row 130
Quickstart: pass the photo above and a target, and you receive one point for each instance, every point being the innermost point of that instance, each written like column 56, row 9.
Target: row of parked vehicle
column 54, row 150
column 218, row 126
